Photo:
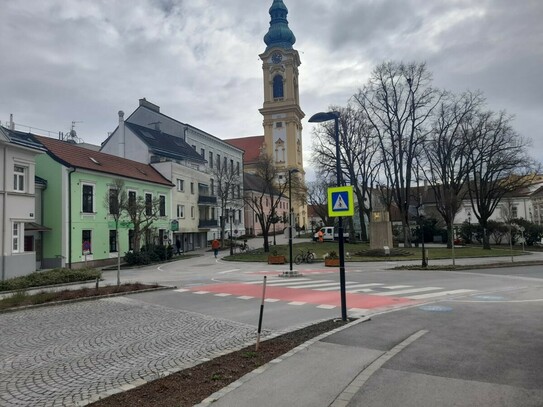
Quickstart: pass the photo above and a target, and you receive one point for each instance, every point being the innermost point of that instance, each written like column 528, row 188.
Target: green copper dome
column 279, row 35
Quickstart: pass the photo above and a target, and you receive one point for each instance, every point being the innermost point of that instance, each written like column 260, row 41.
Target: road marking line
column 361, row 290
column 200, row 292
column 324, row 306
column 396, row 287
column 439, row 294
column 279, row 281
column 222, row 295
column 296, row 303
column 358, row 310
column 296, row 283
column 245, row 297
column 182, row 290
column 228, row 271
column 411, row 290
column 312, row 285
column 352, row 286
column 271, row 300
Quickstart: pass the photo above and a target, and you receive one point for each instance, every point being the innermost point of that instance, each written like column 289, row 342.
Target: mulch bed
column 190, row 386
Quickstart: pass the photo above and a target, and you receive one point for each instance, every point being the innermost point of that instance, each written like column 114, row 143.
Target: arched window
column 277, row 86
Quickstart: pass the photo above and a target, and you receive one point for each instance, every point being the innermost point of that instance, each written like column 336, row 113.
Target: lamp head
column 324, row 117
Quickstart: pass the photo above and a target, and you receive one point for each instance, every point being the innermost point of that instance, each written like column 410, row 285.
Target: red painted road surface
column 354, row 300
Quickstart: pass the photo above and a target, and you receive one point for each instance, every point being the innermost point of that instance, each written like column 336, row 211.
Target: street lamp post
column 231, row 213
column 319, row 118
column 290, row 214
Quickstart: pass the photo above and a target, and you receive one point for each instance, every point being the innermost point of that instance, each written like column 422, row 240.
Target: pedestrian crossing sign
column 340, row 201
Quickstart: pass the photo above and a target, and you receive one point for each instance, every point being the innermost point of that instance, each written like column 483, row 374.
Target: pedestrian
column 321, row 236
column 215, row 245
column 178, row 245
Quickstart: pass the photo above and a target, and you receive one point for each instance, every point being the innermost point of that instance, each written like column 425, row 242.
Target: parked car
column 329, row 234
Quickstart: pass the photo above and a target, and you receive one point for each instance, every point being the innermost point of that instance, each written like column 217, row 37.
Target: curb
column 96, row 297
column 232, row 386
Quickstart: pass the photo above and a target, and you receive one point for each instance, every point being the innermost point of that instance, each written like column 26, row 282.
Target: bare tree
column 228, row 182
column 358, row 156
column 317, row 197
column 264, row 195
column 500, row 164
column 398, row 101
column 115, row 200
column 445, row 164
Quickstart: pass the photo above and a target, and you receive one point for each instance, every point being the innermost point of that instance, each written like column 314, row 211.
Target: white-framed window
column 514, row 212
column 192, row 212
column 86, row 241
column 211, row 159
column 87, row 198
column 132, row 198
column 162, row 205
column 203, row 152
column 181, row 211
column 19, row 178
column 113, row 201
column 212, row 186
column 17, row 237
column 192, row 188
column 148, row 204
column 113, row 241
column 180, row 185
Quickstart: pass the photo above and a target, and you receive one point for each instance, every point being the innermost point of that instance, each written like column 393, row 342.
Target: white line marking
column 315, row 285
column 182, row 290
column 358, row 310
column 271, row 300
column 222, row 295
column 297, row 282
column 396, row 287
column 228, row 271
column 411, row 290
column 245, row 297
column 324, row 306
column 361, row 290
column 352, row 286
column 296, row 303
column 281, row 281
column 200, row 292
column 439, row 294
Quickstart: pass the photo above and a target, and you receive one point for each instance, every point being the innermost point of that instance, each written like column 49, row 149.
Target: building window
column 113, row 202
column 19, row 175
column 192, row 188
column 192, row 212
column 162, row 205
column 86, row 241
column 212, row 187
column 112, row 241
column 225, row 163
column 279, row 125
column 203, row 153
column 218, row 161
column 148, row 204
column 180, row 185
column 277, row 86
column 180, row 211
column 232, row 166
column 88, row 198
column 210, row 159
column 130, row 239
column 514, row 212
column 16, row 236
column 131, row 198
column 237, row 168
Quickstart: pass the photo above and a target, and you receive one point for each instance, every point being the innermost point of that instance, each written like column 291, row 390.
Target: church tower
column 281, row 110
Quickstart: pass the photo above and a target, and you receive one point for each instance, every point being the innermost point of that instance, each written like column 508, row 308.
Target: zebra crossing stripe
column 222, row 295
column 396, row 287
column 245, row 297
column 408, row 291
column 439, row 294
column 352, row 286
column 296, row 303
column 335, row 283
column 276, row 281
column 324, row 306
column 200, row 292
column 182, row 290
column 295, row 283
column 271, row 300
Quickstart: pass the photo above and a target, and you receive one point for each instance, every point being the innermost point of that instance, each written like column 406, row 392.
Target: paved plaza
column 72, row 354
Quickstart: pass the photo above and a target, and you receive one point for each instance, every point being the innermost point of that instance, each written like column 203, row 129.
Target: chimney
column 121, row 134
column 11, row 123
column 149, row 105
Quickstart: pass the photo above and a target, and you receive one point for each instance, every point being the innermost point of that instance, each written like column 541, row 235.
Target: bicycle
column 307, row 257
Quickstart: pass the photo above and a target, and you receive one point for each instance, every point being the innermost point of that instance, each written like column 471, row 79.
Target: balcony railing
column 207, row 200
column 208, row 223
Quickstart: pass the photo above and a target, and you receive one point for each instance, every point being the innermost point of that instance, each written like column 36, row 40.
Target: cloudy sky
column 84, row 60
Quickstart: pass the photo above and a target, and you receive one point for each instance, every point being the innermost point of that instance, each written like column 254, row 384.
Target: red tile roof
column 80, row 157
column 251, row 146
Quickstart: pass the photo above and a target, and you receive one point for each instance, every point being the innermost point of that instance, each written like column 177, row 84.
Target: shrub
column 137, row 258
column 49, row 277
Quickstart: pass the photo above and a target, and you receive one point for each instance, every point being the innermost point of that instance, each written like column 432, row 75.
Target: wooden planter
column 276, row 260
column 331, row 262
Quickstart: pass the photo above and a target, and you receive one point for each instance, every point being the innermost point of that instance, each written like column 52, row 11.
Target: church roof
column 279, row 34
column 251, row 145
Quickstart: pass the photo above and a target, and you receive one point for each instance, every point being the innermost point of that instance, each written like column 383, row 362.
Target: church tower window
column 277, row 87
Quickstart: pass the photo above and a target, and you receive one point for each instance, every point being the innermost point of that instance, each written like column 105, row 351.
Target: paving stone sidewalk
column 70, row 355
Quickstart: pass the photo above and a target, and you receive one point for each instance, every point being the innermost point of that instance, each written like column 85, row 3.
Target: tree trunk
column 406, row 235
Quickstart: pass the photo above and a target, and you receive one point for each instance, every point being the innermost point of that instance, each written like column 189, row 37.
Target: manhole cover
column 435, row 308
column 489, row 297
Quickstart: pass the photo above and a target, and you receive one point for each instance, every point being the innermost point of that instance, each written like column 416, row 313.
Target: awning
column 36, row 227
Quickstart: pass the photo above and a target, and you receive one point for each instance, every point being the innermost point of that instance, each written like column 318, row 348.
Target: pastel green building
column 76, row 207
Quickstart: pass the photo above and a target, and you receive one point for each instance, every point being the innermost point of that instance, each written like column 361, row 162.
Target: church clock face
column 276, row 57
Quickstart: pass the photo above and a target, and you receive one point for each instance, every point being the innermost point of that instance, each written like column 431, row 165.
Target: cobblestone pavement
column 72, row 354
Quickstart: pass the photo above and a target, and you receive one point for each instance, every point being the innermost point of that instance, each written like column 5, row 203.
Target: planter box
column 276, row 259
column 331, row 262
